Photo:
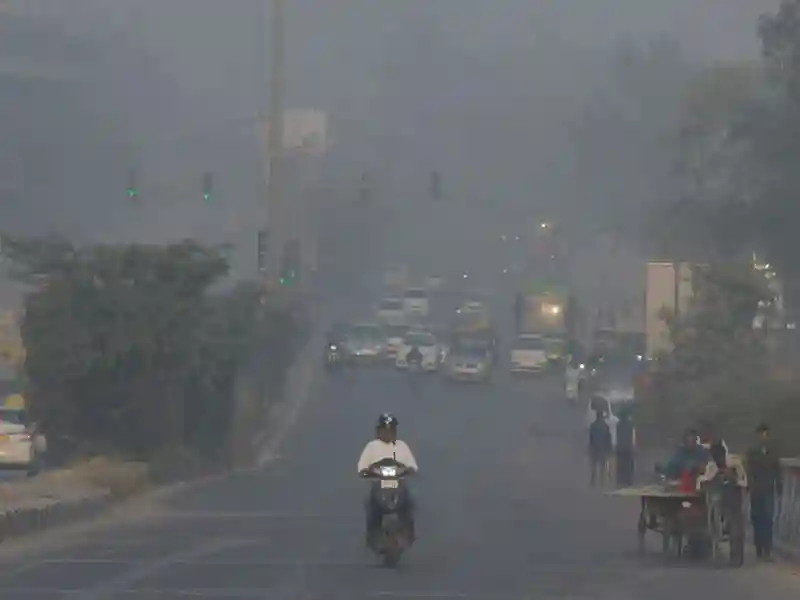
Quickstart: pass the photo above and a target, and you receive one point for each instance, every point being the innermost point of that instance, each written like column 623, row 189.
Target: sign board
column 304, row 131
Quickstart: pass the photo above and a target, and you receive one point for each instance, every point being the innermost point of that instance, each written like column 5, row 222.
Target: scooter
column 333, row 357
column 393, row 537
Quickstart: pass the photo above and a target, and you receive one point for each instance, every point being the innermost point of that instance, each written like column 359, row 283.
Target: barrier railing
column 787, row 523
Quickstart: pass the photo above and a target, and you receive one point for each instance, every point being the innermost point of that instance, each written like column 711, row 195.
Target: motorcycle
column 393, row 538
column 333, row 357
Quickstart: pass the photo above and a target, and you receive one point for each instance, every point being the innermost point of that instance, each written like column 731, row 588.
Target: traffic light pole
column 274, row 201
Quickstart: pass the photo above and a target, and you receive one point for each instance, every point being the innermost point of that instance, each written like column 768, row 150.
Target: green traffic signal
column 132, row 188
column 208, row 184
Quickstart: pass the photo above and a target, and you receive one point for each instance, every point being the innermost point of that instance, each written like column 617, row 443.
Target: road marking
column 199, row 561
column 212, row 515
column 240, row 593
column 112, row 587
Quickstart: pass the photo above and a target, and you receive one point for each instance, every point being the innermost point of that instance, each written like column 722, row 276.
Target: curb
column 50, row 513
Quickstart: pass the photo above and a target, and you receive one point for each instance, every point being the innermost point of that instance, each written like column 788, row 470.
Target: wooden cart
column 699, row 521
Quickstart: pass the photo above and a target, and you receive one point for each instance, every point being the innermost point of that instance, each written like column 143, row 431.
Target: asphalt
column 504, row 513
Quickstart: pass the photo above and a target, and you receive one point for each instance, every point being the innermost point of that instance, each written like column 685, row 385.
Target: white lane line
column 199, row 562
column 253, row 515
column 244, row 593
column 111, row 587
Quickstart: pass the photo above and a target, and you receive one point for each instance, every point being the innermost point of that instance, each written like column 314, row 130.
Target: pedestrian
column 766, row 487
column 601, row 447
column 625, row 448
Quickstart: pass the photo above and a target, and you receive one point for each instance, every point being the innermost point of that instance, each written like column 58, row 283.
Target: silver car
column 366, row 343
column 469, row 365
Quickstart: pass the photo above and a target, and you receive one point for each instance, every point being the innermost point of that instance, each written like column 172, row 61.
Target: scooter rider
column 386, row 445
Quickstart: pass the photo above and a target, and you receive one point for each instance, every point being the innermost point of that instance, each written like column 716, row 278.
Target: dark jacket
column 625, row 435
column 600, row 441
column 764, row 470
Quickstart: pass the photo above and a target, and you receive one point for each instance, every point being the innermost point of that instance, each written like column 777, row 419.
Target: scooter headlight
column 388, row 471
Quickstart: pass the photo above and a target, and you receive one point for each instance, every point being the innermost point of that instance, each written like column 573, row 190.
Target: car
column 474, row 307
column 391, row 311
column 428, row 346
column 469, row 364
column 416, row 303
column 22, row 445
column 484, row 339
column 394, row 339
column 529, row 355
column 434, row 282
column 366, row 343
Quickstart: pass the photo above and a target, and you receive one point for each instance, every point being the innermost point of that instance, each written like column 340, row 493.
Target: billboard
column 305, row 131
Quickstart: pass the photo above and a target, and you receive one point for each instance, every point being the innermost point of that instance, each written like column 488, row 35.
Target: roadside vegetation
column 736, row 151
column 131, row 354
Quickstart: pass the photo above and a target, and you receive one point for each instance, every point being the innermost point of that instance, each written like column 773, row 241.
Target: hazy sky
column 481, row 90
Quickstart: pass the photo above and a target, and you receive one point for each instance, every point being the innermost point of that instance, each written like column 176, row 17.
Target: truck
column 544, row 309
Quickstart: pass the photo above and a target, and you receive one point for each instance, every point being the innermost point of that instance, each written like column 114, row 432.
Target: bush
column 128, row 354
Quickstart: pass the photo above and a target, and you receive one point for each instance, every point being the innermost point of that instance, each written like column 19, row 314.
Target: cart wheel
column 641, row 530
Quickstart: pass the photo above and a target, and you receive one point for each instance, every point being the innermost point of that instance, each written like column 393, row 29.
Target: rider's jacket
column 377, row 450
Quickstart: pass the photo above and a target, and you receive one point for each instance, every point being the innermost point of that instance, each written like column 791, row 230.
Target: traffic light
column 290, row 263
column 133, row 188
column 436, row 185
column 263, row 248
column 208, row 185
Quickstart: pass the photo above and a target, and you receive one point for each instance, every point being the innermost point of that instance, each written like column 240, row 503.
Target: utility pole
column 276, row 209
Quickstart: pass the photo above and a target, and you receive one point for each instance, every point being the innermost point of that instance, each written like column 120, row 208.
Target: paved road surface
column 504, row 514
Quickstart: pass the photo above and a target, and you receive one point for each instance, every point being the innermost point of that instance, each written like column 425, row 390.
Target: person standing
column 625, row 448
column 601, row 447
column 766, row 487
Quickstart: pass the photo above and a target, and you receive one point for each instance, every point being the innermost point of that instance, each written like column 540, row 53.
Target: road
column 504, row 513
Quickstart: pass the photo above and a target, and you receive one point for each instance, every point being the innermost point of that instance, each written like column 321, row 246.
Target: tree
column 717, row 366
column 772, row 127
column 716, row 179
column 621, row 137
column 780, row 46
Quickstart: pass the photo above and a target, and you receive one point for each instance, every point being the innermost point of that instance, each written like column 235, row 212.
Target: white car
column 366, row 343
column 472, row 307
column 434, row 282
column 21, row 446
column 529, row 355
column 416, row 303
column 394, row 339
column 428, row 346
column 391, row 311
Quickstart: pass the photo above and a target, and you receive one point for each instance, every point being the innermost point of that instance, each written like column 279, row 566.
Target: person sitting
column 689, row 459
